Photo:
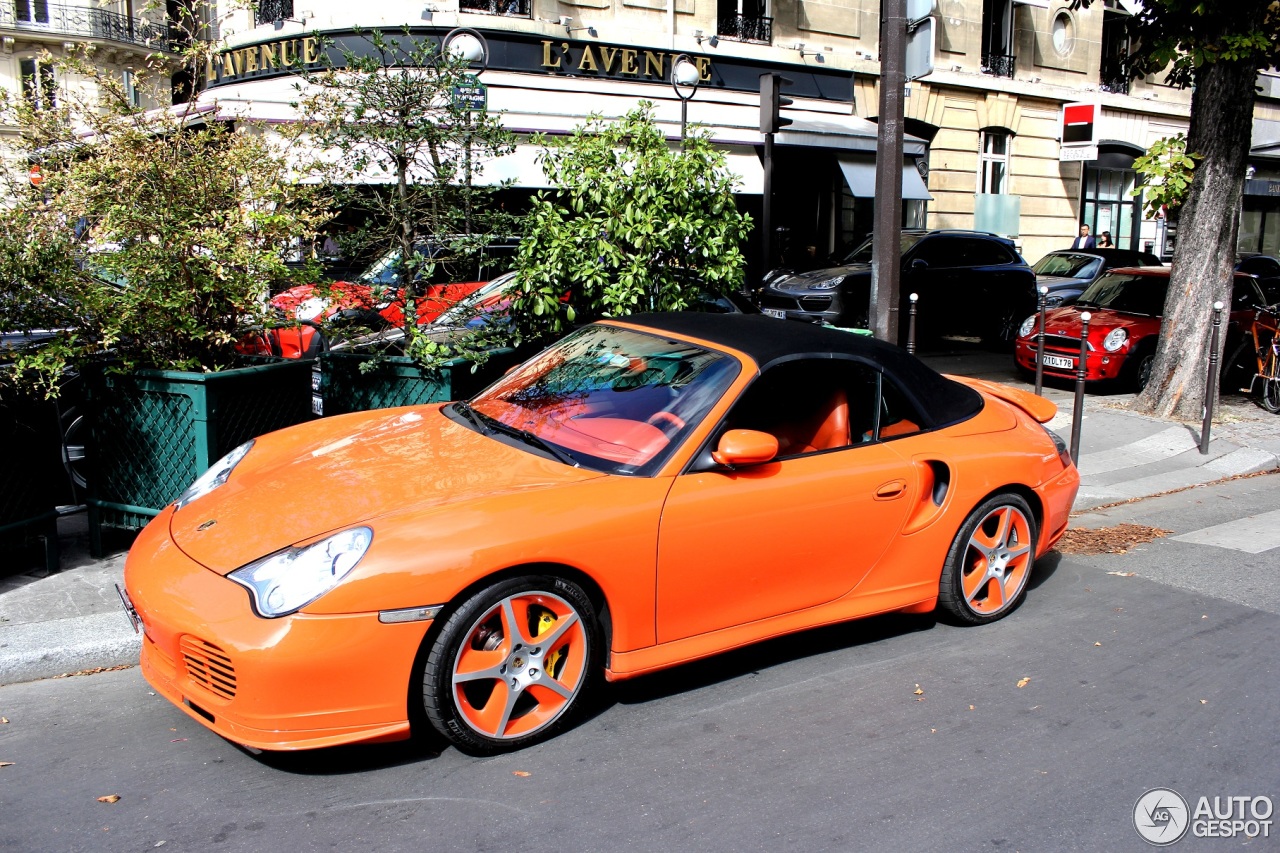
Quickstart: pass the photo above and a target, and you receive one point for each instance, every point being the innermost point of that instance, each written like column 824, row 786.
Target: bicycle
column 1266, row 352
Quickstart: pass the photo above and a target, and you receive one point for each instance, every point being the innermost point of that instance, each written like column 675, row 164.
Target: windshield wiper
column 487, row 424
column 464, row 408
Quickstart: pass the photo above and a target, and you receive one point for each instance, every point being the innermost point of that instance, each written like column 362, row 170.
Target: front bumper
column 296, row 682
column 1098, row 365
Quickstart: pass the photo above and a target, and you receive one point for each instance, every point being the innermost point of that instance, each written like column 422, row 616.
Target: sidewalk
column 73, row 620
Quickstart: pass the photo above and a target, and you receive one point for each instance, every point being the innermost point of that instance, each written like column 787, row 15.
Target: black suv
column 969, row 283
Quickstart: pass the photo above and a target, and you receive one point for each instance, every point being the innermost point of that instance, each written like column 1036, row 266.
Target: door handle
column 891, row 490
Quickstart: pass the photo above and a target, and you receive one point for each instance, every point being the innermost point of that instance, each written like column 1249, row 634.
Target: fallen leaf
column 1204, row 701
column 1204, row 617
column 1122, row 574
column 1023, row 682
column 1097, row 644
column 970, row 707
column 178, row 740
column 521, row 773
column 1108, row 540
column 6, row 763
column 933, row 731
column 4, row 720
column 918, row 691
column 109, row 798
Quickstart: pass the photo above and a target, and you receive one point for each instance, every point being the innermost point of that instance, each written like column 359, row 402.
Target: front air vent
column 209, row 666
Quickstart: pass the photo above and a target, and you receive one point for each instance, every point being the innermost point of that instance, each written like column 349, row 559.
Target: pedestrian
column 1104, row 241
column 1084, row 241
column 331, row 249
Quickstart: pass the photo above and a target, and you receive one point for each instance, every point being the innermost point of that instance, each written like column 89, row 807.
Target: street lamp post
column 685, row 75
column 470, row 47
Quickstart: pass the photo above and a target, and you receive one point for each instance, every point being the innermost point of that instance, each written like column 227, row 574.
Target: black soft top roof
column 768, row 341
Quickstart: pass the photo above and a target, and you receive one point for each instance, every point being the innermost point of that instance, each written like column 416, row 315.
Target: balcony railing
column 513, row 8
column 1114, row 78
column 743, row 28
column 998, row 64
column 86, row 22
column 269, row 11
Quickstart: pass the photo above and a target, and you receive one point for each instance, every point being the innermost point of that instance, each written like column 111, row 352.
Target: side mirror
column 919, row 264
column 745, row 447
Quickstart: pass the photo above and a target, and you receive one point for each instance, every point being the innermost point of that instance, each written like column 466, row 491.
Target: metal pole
column 684, row 116
column 1044, row 307
column 1211, row 387
column 911, row 327
column 886, row 250
column 1077, row 413
column 766, row 224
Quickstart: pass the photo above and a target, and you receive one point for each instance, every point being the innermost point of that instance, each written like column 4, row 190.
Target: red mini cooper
column 1125, row 308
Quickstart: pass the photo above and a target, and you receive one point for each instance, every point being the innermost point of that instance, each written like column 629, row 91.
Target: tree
column 389, row 114
column 632, row 225
column 1217, row 46
column 153, row 239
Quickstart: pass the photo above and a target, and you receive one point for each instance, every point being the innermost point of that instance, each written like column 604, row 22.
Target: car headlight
column 826, row 283
column 293, row 578
column 1028, row 326
column 214, row 477
column 309, row 309
column 1053, row 301
column 1114, row 340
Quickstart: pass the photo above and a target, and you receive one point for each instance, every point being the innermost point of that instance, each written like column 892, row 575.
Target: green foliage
column 1168, row 169
column 153, row 239
column 387, row 114
column 632, row 226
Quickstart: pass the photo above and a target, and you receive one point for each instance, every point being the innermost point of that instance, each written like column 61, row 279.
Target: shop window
column 38, row 83
column 744, row 20
column 993, row 162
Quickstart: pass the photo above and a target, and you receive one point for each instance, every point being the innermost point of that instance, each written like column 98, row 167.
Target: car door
column 736, row 546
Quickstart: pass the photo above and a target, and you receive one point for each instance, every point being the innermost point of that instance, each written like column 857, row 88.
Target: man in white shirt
column 1084, row 241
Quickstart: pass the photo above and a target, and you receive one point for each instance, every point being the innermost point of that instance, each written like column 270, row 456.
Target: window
column 744, row 20
column 1113, row 75
column 1063, row 33
column 997, row 37
column 993, row 163
column 130, row 83
column 37, row 83
column 31, row 11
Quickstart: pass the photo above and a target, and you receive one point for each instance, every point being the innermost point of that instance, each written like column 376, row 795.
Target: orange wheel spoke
column 477, row 664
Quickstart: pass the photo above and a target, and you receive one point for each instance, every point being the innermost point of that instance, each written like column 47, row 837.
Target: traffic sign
column 35, row 175
column 918, row 61
column 471, row 94
column 918, row 10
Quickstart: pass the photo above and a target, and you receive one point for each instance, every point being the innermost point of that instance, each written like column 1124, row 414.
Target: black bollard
column 1211, row 386
column 911, row 325
column 1044, row 307
column 1077, row 414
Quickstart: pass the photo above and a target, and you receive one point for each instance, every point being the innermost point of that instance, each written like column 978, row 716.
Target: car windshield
column 610, row 399
column 1132, row 294
column 482, row 300
column 862, row 254
column 1068, row 265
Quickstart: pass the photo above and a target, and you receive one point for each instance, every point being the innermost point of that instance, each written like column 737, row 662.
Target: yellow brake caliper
column 551, row 663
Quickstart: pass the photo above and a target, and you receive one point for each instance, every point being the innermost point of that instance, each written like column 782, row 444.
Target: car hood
column 1057, row 282
column 1066, row 321
column 805, row 280
column 301, row 483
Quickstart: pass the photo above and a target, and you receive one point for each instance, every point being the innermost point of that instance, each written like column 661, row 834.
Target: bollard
column 1211, row 386
column 911, row 325
column 1044, row 307
column 1077, row 414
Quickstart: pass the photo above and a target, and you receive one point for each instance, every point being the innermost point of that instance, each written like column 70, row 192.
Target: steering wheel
column 668, row 422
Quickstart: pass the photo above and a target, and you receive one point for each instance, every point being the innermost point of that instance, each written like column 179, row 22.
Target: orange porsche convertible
column 641, row 494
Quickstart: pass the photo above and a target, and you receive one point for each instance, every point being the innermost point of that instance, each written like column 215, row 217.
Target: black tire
column 1001, row 527
column 1271, row 395
column 551, row 677
column 1138, row 371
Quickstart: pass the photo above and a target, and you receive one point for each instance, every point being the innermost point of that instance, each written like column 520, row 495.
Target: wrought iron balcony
column 998, row 64
column 744, row 28
column 513, row 8
column 269, row 11
column 37, row 16
column 1114, row 78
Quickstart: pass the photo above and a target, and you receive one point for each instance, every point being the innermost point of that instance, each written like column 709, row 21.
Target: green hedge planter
column 340, row 386
column 154, row 431
column 30, row 479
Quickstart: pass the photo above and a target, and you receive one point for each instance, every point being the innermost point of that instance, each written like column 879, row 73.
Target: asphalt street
column 1152, row 668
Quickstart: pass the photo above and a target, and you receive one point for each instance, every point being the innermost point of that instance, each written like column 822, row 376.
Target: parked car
column 1067, row 272
column 969, row 283
column 1125, row 307
column 621, row 503
column 309, row 314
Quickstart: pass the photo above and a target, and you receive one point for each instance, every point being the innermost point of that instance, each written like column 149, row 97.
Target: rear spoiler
column 1037, row 407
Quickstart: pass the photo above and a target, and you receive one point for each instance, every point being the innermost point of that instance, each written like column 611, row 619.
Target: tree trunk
column 1204, row 257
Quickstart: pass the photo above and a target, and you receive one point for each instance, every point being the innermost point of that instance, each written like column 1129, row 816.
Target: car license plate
column 1060, row 362
column 317, row 405
column 775, row 313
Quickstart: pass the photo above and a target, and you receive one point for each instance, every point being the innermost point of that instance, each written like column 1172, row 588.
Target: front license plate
column 317, row 405
column 1060, row 362
column 775, row 313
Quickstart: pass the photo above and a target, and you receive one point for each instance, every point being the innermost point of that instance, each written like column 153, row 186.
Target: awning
column 860, row 175
column 521, row 167
column 750, row 172
column 848, row 133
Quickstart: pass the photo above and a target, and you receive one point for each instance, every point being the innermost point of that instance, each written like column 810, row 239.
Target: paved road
column 818, row 742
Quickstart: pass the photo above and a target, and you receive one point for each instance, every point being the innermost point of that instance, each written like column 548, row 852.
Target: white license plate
column 317, row 405
column 1060, row 362
column 775, row 313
